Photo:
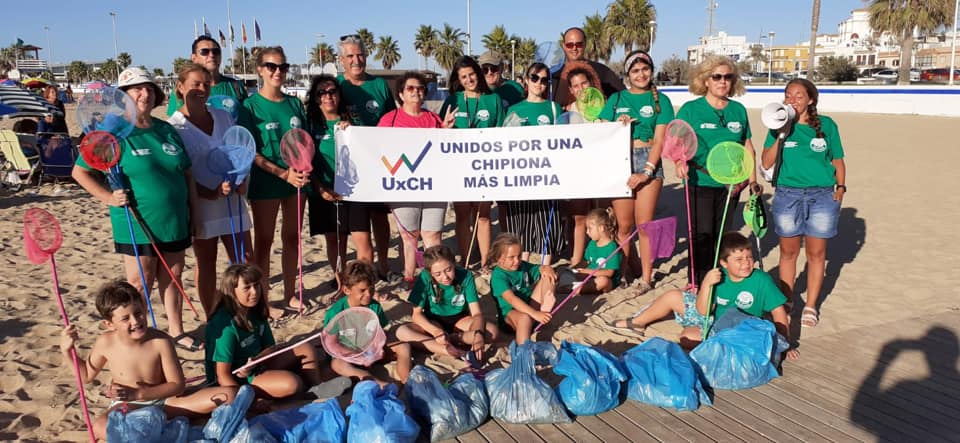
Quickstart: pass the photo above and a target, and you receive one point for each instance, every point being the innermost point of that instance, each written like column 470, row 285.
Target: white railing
column 32, row 65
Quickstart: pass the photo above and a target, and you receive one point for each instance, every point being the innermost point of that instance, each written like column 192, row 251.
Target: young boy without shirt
column 142, row 361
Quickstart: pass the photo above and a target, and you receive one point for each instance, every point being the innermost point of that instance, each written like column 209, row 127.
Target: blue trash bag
column 518, row 395
column 544, row 353
column 227, row 420
column 448, row 413
column 377, row 416
column 252, row 433
column 743, row 352
column 661, row 374
column 146, row 425
column 311, row 423
column 593, row 378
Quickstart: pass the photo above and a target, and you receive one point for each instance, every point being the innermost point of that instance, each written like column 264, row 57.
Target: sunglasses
column 413, row 88
column 538, row 79
column 491, row 69
column 571, row 45
column 354, row 36
column 718, row 77
column 207, row 51
column 272, row 67
column 331, row 92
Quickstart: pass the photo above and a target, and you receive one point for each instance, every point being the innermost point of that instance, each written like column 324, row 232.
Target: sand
column 900, row 192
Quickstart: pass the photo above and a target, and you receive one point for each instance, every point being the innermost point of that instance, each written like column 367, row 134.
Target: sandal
column 810, row 317
column 195, row 345
column 629, row 326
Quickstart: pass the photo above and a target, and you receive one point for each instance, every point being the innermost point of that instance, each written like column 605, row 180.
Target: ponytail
column 656, row 96
column 814, row 117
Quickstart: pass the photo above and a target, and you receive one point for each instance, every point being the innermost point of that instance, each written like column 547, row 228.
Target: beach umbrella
column 8, row 82
column 26, row 103
column 35, row 82
column 7, row 109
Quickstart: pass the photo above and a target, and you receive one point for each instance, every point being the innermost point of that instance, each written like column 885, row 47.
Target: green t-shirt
column 510, row 93
column 268, row 121
column 228, row 86
column 536, row 114
column 807, row 159
column 596, row 257
column 641, row 107
column 325, row 164
column 755, row 295
column 343, row 304
column 484, row 112
column 153, row 163
column 369, row 101
column 227, row 342
column 712, row 127
column 521, row 282
column 453, row 300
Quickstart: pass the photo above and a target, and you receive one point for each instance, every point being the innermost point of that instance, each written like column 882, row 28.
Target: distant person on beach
column 143, row 364
column 53, row 122
column 206, row 52
column 510, row 91
column 810, row 179
column 574, row 49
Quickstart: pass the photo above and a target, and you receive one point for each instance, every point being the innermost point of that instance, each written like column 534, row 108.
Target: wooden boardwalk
column 894, row 382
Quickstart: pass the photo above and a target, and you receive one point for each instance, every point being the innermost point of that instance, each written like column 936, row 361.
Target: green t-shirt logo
column 294, row 122
column 543, row 120
column 744, row 300
column 646, row 111
column 735, row 127
column 170, row 149
column 458, row 300
column 483, row 115
column 372, row 106
column 818, row 145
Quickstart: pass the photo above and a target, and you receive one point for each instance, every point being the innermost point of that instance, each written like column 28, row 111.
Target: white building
column 733, row 46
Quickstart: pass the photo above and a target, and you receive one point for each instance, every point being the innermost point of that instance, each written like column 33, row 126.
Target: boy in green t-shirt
column 735, row 284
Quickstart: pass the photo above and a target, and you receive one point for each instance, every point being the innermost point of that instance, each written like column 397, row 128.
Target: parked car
column 938, row 75
column 894, row 74
column 868, row 72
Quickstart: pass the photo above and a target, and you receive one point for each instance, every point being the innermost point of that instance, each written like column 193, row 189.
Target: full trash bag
column 377, row 416
column 593, row 378
column 743, row 352
column 517, row 395
column 146, row 425
column 311, row 423
column 229, row 419
column 448, row 412
column 661, row 374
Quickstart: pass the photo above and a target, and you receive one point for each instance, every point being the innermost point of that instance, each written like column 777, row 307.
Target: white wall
column 909, row 100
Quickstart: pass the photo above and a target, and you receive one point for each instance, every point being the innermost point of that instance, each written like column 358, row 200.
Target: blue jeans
column 809, row 212
column 639, row 158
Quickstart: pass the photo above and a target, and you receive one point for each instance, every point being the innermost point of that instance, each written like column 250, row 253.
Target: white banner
column 514, row 163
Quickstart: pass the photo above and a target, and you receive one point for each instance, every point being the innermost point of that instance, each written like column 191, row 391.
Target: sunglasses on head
column 414, row 88
column 344, row 37
column 488, row 69
column 331, row 92
column 207, row 51
column 718, row 77
column 571, row 45
column 538, row 79
column 272, row 67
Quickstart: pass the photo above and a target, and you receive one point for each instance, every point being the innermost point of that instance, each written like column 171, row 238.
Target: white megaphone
column 777, row 115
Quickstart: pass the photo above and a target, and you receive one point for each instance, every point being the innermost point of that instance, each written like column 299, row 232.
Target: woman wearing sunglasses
column 415, row 220
column 533, row 221
column 273, row 185
column 715, row 118
column 473, row 106
column 327, row 112
column 647, row 111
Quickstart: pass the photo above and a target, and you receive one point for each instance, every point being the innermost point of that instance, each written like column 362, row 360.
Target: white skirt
column 214, row 217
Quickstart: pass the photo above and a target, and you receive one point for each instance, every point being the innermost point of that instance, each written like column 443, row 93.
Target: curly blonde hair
column 698, row 78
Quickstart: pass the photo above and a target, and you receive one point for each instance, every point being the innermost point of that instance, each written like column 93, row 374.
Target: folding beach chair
column 16, row 167
column 57, row 155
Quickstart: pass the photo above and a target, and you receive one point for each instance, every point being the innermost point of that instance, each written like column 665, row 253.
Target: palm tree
column 322, row 53
column 598, row 40
column 758, row 55
column 366, row 37
column 497, row 40
column 526, row 52
column 388, row 52
column 179, row 63
column 904, row 17
column 8, row 59
column 158, row 72
column 628, row 23
column 124, row 60
column 77, row 71
column 244, row 60
column 814, row 25
column 108, row 70
column 425, row 42
column 451, row 46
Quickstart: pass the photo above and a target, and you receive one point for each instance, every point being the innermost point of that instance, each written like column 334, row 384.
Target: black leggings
column 706, row 213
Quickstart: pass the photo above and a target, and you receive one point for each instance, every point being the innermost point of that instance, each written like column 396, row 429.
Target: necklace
column 723, row 120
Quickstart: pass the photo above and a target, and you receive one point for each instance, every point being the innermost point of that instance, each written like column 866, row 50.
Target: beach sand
column 900, row 182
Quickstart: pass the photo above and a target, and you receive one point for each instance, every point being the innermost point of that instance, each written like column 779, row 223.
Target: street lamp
column 49, row 47
column 653, row 25
column 513, row 59
column 320, row 45
column 770, row 63
column 469, row 35
column 116, row 51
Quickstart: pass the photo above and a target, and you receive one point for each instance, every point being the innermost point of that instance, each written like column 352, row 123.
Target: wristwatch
column 841, row 186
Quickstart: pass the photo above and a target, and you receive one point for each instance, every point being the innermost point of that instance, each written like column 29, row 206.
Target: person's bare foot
column 548, row 301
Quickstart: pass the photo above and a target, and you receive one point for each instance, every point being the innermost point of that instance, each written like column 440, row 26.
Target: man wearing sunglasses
column 509, row 91
column 574, row 48
column 206, row 52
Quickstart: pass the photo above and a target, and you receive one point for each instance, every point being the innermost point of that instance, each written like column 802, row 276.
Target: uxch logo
column 406, row 160
column 409, row 184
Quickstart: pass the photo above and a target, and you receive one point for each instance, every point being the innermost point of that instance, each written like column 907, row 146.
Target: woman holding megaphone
column 809, row 174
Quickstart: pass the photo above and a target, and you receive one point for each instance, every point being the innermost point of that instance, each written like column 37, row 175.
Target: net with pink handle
column 354, row 335
column 42, row 238
column 297, row 150
column 680, row 145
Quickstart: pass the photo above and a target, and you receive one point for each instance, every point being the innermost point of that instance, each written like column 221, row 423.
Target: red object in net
column 297, row 150
column 680, row 141
column 41, row 235
column 100, row 150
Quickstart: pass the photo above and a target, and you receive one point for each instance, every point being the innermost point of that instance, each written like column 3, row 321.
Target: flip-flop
column 195, row 345
column 810, row 317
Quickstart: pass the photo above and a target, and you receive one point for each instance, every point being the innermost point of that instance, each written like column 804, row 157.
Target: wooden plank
column 628, row 428
column 550, row 433
column 520, row 433
column 721, row 421
column 492, row 431
column 604, row 432
column 473, row 436
column 773, row 416
column 645, row 416
column 725, row 406
column 830, row 426
column 577, row 432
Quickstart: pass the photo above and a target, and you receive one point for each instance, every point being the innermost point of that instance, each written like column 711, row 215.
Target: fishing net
column 297, row 150
column 107, row 109
column 679, row 141
column 590, row 102
column 100, row 150
column 729, row 163
column 571, row 118
column 41, row 235
column 232, row 160
column 511, row 120
column 354, row 335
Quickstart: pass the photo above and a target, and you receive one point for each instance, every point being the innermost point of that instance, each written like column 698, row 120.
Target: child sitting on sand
column 357, row 282
column 601, row 227
column 446, row 308
column 524, row 291
column 142, row 361
column 738, row 285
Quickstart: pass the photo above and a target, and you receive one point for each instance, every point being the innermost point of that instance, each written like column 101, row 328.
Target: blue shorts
column 691, row 316
column 809, row 212
column 639, row 157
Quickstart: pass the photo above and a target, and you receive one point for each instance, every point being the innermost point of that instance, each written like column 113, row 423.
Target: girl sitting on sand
column 445, row 302
column 524, row 291
column 601, row 227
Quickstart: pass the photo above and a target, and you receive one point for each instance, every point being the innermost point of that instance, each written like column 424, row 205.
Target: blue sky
column 154, row 33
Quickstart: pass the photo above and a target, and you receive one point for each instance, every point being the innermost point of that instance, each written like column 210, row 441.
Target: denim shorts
column 809, row 212
column 691, row 316
column 640, row 156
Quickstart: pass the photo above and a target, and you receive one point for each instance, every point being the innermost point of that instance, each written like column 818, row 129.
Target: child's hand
column 477, row 347
column 121, row 392
column 68, row 338
column 682, row 170
column 626, row 119
column 225, row 189
column 245, row 372
column 713, row 277
column 441, row 338
column 542, row 317
column 793, row 354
